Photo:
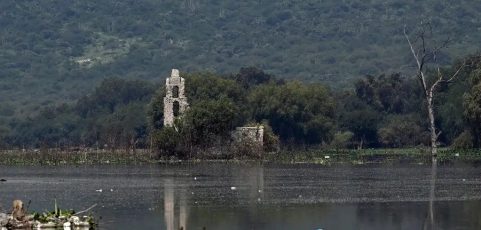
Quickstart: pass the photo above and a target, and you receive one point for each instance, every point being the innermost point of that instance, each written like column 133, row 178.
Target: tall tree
column 425, row 56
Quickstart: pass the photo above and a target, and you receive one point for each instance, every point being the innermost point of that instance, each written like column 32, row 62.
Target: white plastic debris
column 75, row 220
column 98, row 190
column 233, row 188
column 456, row 155
column 327, row 157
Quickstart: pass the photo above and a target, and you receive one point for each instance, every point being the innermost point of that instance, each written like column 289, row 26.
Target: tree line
column 384, row 111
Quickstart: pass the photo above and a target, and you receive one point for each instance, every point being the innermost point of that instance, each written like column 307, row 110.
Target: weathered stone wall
column 174, row 81
column 254, row 134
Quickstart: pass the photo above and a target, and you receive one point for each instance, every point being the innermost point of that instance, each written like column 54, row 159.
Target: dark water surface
column 252, row 196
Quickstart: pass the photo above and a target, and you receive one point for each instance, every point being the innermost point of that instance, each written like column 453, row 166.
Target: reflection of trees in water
column 221, row 207
column 256, row 183
column 171, row 222
column 248, row 182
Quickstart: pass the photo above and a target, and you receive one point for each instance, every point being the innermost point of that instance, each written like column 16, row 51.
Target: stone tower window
column 175, row 92
column 176, row 108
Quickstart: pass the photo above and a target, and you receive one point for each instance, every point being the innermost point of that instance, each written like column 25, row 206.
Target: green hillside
column 54, row 51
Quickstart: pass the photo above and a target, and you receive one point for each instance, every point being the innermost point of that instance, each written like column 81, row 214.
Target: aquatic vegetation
column 317, row 156
column 87, row 157
column 365, row 156
column 57, row 218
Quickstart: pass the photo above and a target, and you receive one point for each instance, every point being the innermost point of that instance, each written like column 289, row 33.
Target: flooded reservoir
column 252, row 196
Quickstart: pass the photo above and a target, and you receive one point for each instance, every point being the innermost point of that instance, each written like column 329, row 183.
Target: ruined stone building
column 250, row 134
column 175, row 102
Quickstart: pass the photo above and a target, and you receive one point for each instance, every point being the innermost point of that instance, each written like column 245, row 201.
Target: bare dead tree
column 424, row 56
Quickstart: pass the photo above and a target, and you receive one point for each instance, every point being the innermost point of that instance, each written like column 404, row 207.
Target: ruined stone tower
column 175, row 102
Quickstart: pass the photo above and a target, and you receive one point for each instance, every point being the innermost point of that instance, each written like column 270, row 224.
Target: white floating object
column 233, row 188
column 464, row 179
column 98, row 190
column 327, row 157
column 111, row 189
column 75, row 220
column 259, row 191
column 456, row 155
column 195, row 178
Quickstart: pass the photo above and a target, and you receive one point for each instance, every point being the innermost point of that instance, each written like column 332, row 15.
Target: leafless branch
column 86, row 210
column 451, row 79
column 420, row 63
column 412, row 48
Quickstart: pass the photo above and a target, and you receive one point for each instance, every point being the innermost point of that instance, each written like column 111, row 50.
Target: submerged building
column 175, row 101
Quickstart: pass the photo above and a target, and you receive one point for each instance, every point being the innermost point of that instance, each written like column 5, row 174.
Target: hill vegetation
column 54, row 51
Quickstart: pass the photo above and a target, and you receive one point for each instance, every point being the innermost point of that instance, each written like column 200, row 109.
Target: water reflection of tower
column 171, row 222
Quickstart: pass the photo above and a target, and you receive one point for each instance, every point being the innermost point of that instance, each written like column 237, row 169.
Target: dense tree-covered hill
column 53, row 51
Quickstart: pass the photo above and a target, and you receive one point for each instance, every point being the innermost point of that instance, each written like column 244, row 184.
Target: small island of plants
column 20, row 218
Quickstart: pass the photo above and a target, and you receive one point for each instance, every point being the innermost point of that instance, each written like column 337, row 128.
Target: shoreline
column 321, row 157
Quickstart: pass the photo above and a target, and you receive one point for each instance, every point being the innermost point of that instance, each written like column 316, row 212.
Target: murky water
column 251, row 196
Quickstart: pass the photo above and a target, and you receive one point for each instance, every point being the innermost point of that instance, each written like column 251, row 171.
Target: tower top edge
column 175, row 73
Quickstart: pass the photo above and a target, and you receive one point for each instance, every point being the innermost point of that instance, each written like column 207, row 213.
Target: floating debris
column 233, row 188
column 2, row 180
column 66, row 219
